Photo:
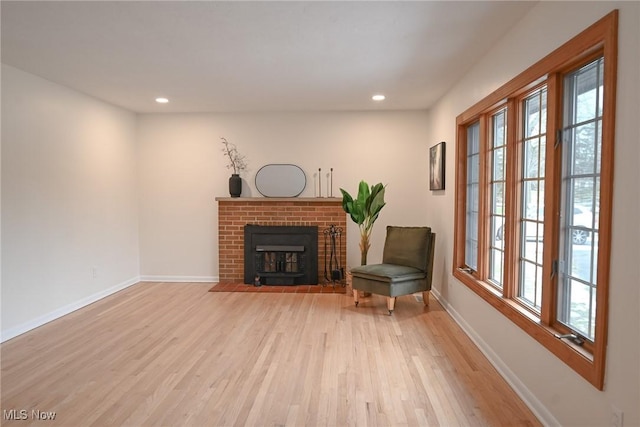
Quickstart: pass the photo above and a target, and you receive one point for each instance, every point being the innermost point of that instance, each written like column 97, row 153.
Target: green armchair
column 407, row 264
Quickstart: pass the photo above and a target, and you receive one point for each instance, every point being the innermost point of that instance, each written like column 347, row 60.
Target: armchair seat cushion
column 388, row 273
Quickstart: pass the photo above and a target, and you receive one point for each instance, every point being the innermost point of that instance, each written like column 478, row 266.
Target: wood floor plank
column 175, row 354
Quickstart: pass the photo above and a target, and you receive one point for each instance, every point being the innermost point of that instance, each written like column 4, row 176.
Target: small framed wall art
column 436, row 166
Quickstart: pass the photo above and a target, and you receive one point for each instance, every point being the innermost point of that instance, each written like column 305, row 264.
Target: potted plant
column 364, row 211
column 238, row 163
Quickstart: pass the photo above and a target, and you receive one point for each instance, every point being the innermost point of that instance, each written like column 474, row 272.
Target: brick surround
column 235, row 213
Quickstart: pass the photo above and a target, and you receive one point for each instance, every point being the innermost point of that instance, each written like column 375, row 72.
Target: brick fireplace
column 235, row 213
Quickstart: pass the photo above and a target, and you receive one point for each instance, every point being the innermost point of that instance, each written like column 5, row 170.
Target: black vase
column 235, row 185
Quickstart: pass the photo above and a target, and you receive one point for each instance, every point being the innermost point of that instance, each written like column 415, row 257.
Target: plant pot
column 235, row 185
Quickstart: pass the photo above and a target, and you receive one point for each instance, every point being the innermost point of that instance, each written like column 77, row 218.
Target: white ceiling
column 254, row 56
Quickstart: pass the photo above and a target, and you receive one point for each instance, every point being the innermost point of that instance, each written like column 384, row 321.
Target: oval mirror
column 280, row 180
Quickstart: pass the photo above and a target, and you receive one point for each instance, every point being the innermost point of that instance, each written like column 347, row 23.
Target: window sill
column 576, row 357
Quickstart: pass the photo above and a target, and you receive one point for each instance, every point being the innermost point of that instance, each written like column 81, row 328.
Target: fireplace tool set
column 333, row 271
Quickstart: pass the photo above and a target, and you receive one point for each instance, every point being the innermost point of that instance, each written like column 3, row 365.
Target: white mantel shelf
column 280, row 199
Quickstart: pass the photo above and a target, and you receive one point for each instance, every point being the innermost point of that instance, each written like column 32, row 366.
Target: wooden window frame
column 600, row 39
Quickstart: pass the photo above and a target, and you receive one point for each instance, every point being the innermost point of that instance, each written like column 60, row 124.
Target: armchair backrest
column 409, row 246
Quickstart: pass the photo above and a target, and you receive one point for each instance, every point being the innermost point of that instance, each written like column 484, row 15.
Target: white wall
column 69, row 200
column 540, row 376
column 182, row 170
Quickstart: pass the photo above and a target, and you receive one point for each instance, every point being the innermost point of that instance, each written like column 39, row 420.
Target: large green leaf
column 350, row 206
column 376, row 200
column 363, row 195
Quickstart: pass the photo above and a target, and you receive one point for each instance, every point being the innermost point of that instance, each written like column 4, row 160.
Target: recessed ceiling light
column 378, row 97
column 162, row 100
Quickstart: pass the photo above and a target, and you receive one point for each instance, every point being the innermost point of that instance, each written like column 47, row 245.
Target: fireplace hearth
column 280, row 255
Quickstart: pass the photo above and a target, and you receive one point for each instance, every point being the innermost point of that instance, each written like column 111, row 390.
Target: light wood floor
column 174, row 354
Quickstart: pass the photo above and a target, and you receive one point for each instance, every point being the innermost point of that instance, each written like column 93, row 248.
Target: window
column 582, row 139
column 533, row 198
column 497, row 157
column 531, row 241
column 472, row 190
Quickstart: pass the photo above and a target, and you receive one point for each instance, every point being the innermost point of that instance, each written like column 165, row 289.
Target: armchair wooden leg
column 355, row 297
column 425, row 297
column 391, row 302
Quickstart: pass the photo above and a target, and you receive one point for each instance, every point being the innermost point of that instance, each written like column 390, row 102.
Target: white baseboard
column 62, row 311
column 539, row 410
column 181, row 279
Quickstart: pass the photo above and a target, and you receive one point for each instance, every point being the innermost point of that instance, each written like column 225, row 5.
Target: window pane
column 498, row 163
column 531, row 158
column 580, row 256
column 497, row 198
column 581, row 147
column 532, row 247
column 581, row 315
column 598, row 147
column 533, row 198
column 496, row 272
column 496, row 245
column 584, row 193
column 532, row 116
column 585, row 89
column 592, row 311
column 499, row 127
column 530, row 292
column 473, row 196
column 542, row 150
column 584, row 152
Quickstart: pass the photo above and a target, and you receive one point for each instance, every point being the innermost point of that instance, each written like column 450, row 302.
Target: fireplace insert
column 280, row 255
